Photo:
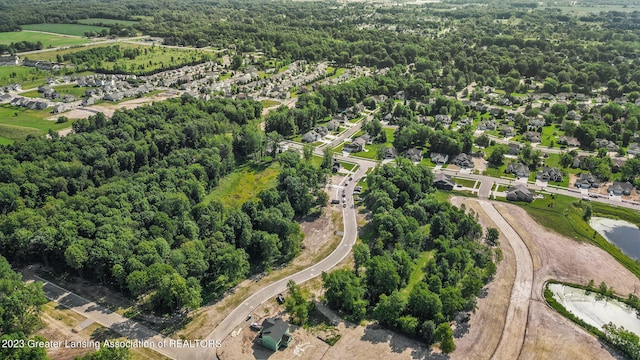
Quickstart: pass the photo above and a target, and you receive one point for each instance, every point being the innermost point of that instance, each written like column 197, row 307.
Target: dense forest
column 123, row 201
column 409, row 222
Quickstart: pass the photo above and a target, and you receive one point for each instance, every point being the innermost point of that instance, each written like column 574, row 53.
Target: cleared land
column 26, row 76
column 65, row 29
column 48, row 40
column 238, row 187
column 16, row 122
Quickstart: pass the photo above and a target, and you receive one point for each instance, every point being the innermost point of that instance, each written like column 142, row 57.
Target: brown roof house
column 443, row 182
column 356, row 145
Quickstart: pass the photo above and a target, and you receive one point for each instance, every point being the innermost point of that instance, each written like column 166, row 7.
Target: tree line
column 407, row 221
column 123, row 201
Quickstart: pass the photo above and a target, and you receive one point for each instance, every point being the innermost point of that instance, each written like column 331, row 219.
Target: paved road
column 168, row 347
column 240, row 313
column 517, row 315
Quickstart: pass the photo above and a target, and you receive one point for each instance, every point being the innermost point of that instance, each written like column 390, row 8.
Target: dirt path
column 480, row 337
column 514, row 330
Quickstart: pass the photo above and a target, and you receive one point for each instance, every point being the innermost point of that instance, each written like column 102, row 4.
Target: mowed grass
column 417, row 274
column 5, row 141
column 48, row 40
column 26, row 76
column 65, row 29
column 96, row 21
column 243, row 185
column 16, row 122
column 270, row 103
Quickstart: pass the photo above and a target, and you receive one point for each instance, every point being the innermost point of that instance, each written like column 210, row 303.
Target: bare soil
column 549, row 335
column 480, row 336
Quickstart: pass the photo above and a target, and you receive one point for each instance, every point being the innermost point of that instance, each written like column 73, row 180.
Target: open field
column 16, row 122
column 65, row 29
column 48, row 40
column 151, row 58
column 27, row 77
column 238, row 187
column 96, row 21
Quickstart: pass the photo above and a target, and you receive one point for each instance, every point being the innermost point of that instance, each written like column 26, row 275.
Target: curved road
column 239, row 314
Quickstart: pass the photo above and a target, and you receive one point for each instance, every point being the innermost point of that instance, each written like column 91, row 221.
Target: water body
column 596, row 312
column 624, row 234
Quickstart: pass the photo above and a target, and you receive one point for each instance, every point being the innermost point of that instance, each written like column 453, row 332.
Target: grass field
column 372, row 150
column 16, row 122
column 417, row 274
column 65, row 29
column 152, row 57
column 245, row 184
column 270, row 103
column 5, row 141
column 48, row 40
column 78, row 92
column 96, row 21
column 25, row 76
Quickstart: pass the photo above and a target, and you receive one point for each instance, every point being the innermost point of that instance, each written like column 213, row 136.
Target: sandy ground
column 548, row 335
column 484, row 329
column 479, row 164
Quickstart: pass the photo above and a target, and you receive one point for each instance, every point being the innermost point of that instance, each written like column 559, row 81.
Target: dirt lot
column 549, row 335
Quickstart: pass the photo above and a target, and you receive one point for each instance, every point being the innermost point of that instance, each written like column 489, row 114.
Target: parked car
column 335, row 201
column 280, row 299
column 256, row 326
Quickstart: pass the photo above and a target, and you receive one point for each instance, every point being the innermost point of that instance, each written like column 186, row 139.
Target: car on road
column 344, row 205
column 586, row 198
column 249, row 317
column 458, row 185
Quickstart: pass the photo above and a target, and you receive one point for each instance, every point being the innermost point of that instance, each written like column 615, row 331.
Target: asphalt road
column 240, row 313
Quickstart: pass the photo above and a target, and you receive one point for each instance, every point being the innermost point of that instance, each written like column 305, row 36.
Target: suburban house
column 311, row 136
column 58, row 109
column 322, row 130
column 586, row 181
column 531, row 136
column 517, row 169
column 333, row 125
column 275, row 333
column 514, row 149
column 356, row 145
column 634, row 149
column 576, row 162
column 488, row 125
column 5, row 98
column 550, row 174
column 519, row 192
column 620, row 188
column 443, row 119
column 536, row 123
column 569, row 141
column 465, row 161
column 507, row 131
column 607, row 144
column 439, row 159
column 413, row 154
column 390, row 152
column 443, row 182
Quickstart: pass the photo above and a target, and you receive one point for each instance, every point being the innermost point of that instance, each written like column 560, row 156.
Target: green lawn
column 564, row 216
column 417, row 274
column 547, row 135
column 26, row 76
column 78, row 92
column 65, row 29
column 244, row 184
column 48, row 40
column 16, row 122
column 465, row 182
column 269, row 103
column 5, row 141
column 95, row 21
column 372, row 150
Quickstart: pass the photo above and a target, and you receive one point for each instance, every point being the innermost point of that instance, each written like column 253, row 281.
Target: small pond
column 624, row 234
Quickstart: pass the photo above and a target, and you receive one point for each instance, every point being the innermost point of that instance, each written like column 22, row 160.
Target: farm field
column 96, row 21
column 48, row 40
column 65, row 29
column 16, row 122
